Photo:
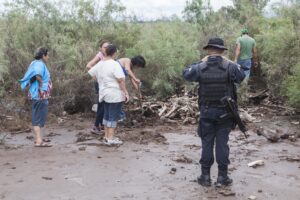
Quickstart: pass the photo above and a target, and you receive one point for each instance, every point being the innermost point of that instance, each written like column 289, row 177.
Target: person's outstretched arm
column 237, row 73
column 191, row 72
column 93, row 62
column 237, row 52
column 254, row 52
column 135, row 82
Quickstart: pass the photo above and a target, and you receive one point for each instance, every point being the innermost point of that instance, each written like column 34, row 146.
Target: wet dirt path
column 91, row 171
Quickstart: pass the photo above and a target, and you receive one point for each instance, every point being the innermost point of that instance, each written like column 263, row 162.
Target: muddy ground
column 146, row 166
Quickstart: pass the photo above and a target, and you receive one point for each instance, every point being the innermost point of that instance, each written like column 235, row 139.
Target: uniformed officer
column 216, row 76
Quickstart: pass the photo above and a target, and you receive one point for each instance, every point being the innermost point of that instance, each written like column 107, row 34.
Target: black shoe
column 204, row 180
column 223, row 181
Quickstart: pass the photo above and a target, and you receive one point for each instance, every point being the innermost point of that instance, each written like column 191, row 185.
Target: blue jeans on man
column 246, row 66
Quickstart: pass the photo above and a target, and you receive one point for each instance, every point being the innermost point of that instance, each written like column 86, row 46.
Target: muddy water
column 91, row 171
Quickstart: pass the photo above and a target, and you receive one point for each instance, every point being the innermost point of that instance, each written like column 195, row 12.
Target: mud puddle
column 141, row 168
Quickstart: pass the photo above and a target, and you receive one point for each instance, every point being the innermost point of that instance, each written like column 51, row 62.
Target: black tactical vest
column 214, row 80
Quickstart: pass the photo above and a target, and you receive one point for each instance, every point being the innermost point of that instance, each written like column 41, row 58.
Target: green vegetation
column 72, row 36
column 167, row 47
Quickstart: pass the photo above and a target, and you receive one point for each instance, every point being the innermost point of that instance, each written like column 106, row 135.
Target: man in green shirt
column 245, row 51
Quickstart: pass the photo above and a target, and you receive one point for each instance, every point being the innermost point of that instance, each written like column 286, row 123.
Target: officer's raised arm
column 191, row 72
column 237, row 73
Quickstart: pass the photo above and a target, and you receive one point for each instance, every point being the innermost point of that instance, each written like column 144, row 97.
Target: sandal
column 46, row 140
column 43, row 144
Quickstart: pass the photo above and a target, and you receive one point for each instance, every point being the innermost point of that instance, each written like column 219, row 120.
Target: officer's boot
column 204, row 179
column 223, row 179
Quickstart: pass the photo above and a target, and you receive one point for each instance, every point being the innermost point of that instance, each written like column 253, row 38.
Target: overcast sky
column 152, row 9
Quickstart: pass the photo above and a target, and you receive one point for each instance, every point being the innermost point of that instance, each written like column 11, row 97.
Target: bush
column 167, row 45
column 292, row 87
column 167, row 48
column 72, row 38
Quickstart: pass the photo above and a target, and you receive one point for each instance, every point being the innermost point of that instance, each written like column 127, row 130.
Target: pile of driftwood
column 182, row 108
column 176, row 108
column 185, row 109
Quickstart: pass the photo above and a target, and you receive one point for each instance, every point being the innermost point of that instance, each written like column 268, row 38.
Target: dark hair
column 40, row 52
column 138, row 61
column 110, row 49
column 102, row 42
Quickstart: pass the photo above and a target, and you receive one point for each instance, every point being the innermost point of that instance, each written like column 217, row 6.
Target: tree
column 196, row 12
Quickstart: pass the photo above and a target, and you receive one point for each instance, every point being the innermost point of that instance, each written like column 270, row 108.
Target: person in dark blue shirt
column 217, row 77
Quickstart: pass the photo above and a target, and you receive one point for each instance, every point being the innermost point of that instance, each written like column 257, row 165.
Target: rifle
column 232, row 108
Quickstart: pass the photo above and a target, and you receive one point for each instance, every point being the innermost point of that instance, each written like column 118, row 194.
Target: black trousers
column 214, row 132
column 100, row 114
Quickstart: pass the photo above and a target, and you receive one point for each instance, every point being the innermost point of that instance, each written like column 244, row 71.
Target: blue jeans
column 246, row 66
column 39, row 112
column 214, row 131
column 112, row 114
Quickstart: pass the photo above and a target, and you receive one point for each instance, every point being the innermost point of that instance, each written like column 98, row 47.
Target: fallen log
column 183, row 109
column 276, row 107
column 189, row 120
column 174, row 108
column 163, row 109
column 166, row 120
